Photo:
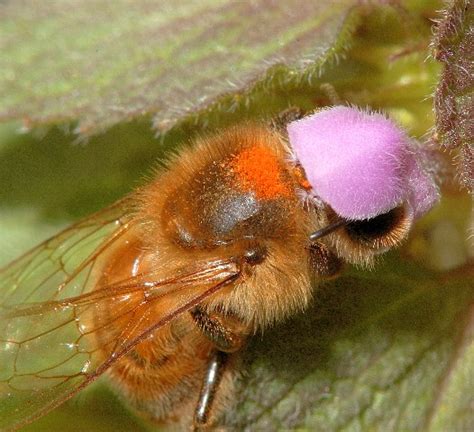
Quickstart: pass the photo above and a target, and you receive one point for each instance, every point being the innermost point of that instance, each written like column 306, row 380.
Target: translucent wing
column 59, row 267
column 59, row 332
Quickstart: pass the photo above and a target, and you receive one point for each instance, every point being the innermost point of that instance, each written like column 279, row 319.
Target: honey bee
column 162, row 290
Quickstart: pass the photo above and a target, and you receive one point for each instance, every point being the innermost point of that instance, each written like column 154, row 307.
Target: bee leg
column 209, row 388
column 283, row 118
column 323, row 262
column 331, row 93
column 227, row 333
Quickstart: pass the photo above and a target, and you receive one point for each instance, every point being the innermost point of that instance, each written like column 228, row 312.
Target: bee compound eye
column 383, row 231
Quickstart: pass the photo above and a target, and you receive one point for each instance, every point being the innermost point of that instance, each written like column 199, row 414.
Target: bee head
column 359, row 241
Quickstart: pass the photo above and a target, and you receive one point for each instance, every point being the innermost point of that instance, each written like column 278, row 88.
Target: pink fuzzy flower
column 361, row 163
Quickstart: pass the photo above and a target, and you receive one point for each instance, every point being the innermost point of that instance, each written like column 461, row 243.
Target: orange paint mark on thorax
column 258, row 169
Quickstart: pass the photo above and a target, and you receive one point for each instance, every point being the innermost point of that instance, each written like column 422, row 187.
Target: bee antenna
column 328, row 229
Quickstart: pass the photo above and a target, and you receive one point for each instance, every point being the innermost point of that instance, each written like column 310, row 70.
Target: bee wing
column 57, row 334
column 60, row 266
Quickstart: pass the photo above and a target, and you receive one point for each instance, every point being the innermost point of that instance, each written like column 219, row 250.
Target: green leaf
column 453, row 408
column 107, row 62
